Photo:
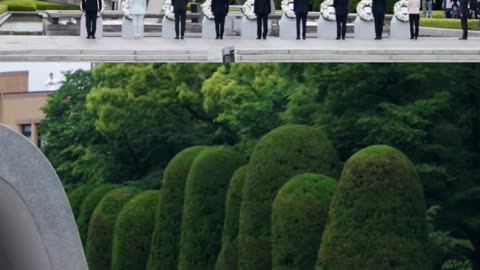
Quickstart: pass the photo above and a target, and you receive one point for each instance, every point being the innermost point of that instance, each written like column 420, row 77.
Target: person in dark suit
column 219, row 10
column 300, row 7
column 341, row 14
column 379, row 7
column 464, row 13
column 262, row 8
column 91, row 8
column 180, row 11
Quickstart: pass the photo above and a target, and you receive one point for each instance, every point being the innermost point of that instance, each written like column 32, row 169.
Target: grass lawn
column 448, row 23
column 3, row 8
column 30, row 5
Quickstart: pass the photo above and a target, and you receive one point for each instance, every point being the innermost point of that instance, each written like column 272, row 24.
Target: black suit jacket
column 219, row 6
column 464, row 7
column 379, row 7
column 341, row 7
column 262, row 7
column 91, row 5
column 300, row 6
column 179, row 5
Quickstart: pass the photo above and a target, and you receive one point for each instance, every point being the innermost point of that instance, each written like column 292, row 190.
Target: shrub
column 448, row 23
column 281, row 154
column 203, row 211
column 377, row 216
column 299, row 215
column 166, row 238
column 88, row 206
column 100, row 230
column 133, row 232
column 227, row 259
column 3, row 8
column 20, row 5
column 78, row 195
column 41, row 5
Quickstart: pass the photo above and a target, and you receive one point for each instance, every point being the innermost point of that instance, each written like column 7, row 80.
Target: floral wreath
column 207, row 9
column 168, row 10
column 126, row 10
column 368, row 17
column 287, row 10
column 324, row 10
column 247, row 10
column 397, row 11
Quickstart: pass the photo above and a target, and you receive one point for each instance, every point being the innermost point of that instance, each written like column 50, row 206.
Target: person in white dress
column 137, row 11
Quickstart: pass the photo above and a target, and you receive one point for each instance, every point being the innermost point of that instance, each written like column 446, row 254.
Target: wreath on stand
column 327, row 10
column 400, row 11
column 126, row 10
column 168, row 10
column 247, row 10
column 287, row 8
column 207, row 9
column 364, row 10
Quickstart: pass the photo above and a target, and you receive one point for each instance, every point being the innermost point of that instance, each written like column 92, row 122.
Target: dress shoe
column 378, row 38
column 411, row 37
column 221, row 37
column 343, row 38
column 259, row 38
column 93, row 37
column 298, row 38
column 337, row 38
column 463, row 38
column 176, row 37
column 416, row 37
column 304, row 37
column 181, row 37
column 88, row 37
column 264, row 37
column 217, row 37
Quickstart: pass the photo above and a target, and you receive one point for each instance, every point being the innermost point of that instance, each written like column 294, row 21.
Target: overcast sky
column 38, row 71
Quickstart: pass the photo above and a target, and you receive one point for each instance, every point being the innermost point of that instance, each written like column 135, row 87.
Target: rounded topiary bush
column 281, row 154
column 204, row 207
column 377, row 216
column 78, row 195
column 133, row 232
column 227, row 259
column 88, row 206
column 166, row 238
column 102, row 224
column 299, row 215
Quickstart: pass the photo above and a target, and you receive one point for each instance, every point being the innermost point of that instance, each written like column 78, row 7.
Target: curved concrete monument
column 37, row 227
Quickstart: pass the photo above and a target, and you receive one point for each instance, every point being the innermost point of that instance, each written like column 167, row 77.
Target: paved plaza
column 155, row 49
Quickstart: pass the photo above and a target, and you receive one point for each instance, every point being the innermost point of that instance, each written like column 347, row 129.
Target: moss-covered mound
column 102, row 224
column 300, row 212
column 166, row 238
column 377, row 216
column 87, row 208
column 204, row 207
column 133, row 232
column 227, row 259
column 281, row 154
column 78, row 195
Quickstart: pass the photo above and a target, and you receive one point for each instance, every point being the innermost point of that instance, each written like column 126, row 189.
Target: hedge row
column 30, row 5
column 77, row 195
column 448, row 23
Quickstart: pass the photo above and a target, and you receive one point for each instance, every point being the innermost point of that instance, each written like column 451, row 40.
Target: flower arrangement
column 168, row 10
column 247, row 10
column 207, row 9
column 400, row 11
column 327, row 10
column 287, row 8
column 126, row 10
column 364, row 10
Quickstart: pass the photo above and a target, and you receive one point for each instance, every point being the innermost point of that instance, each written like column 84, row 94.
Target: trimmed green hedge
column 3, row 8
column 166, row 238
column 88, row 206
column 20, row 5
column 41, row 5
column 204, row 207
column 78, row 195
column 299, row 216
column 133, row 232
column 227, row 259
column 281, row 154
column 448, row 23
column 102, row 224
column 377, row 216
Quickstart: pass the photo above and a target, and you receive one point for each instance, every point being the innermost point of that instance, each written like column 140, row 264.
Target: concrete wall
column 13, row 81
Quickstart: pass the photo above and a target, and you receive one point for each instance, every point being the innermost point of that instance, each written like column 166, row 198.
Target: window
column 26, row 130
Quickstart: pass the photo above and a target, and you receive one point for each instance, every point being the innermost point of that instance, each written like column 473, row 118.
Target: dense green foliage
column 77, row 196
column 166, row 238
column 3, row 8
column 227, row 259
column 281, row 154
column 299, row 216
column 204, row 207
column 133, row 232
column 88, row 206
column 20, row 5
column 377, row 216
column 101, row 227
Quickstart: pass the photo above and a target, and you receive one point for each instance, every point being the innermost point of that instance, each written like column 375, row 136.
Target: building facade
column 20, row 109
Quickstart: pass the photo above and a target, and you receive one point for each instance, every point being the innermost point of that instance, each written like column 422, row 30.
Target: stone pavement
column 154, row 49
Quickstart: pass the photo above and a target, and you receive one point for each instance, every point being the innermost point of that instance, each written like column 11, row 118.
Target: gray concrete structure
column 208, row 28
column 288, row 27
column 326, row 29
column 249, row 29
column 37, row 227
column 364, row 29
column 399, row 29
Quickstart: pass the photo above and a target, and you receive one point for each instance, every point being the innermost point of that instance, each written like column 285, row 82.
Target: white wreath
column 247, row 10
column 207, row 9
column 400, row 10
column 326, row 12
column 287, row 8
column 362, row 14
column 168, row 10
column 126, row 10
